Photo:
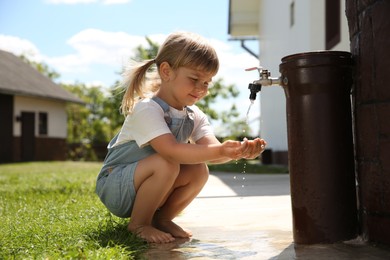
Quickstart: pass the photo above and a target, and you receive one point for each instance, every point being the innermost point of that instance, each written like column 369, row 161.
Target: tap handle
column 254, row 68
column 259, row 69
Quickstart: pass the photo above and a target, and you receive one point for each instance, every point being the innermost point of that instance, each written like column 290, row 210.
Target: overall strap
column 162, row 104
column 181, row 128
column 165, row 106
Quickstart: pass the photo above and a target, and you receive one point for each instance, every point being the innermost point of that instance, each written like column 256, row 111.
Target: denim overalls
column 114, row 185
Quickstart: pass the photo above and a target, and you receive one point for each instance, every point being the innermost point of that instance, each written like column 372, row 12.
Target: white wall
column 277, row 40
column 344, row 44
column 55, row 110
column 274, row 21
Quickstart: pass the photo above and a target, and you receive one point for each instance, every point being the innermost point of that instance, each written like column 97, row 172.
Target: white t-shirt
column 147, row 122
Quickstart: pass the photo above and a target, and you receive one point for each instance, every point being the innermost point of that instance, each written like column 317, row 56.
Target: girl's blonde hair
column 180, row 49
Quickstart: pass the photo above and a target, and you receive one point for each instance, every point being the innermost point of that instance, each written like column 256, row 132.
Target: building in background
column 285, row 27
column 32, row 113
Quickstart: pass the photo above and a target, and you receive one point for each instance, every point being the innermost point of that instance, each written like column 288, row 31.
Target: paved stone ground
column 248, row 216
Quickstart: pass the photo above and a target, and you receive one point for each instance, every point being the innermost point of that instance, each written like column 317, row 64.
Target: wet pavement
column 248, row 216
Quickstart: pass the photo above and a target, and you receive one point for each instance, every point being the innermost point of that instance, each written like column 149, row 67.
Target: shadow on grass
column 112, row 233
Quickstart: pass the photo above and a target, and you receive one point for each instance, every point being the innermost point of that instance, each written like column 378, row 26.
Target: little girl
column 156, row 165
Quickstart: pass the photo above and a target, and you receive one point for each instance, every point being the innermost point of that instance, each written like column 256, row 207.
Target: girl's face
column 188, row 86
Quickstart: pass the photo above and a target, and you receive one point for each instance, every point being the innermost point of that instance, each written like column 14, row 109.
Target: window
column 332, row 23
column 42, row 123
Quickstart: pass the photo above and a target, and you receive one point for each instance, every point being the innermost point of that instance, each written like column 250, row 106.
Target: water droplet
column 245, row 139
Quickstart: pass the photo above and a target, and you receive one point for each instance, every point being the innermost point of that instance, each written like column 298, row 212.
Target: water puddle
column 200, row 249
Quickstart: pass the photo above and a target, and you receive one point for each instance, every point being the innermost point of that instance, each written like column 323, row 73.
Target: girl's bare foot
column 150, row 234
column 172, row 228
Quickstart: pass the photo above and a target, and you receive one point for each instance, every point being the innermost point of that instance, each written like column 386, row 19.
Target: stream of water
column 247, row 122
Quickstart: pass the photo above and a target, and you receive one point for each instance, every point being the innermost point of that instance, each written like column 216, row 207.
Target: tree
column 100, row 119
column 42, row 68
column 87, row 125
column 111, row 108
column 234, row 126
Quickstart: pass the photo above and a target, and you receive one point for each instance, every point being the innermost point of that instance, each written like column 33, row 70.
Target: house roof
column 243, row 18
column 19, row 78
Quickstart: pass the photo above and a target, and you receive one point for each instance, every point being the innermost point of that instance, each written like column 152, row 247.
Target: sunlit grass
column 48, row 210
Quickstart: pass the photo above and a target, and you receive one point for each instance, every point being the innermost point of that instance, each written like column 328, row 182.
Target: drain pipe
column 243, row 40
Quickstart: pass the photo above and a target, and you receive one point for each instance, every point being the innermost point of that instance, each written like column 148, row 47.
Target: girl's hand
column 253, row 148
column 247, row 149
column 232, row 149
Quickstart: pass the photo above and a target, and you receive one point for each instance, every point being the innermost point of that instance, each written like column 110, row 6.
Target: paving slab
column 248, row 216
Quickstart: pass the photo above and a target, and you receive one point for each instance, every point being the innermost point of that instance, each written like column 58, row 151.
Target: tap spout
column 265, row 80
column 254, row 89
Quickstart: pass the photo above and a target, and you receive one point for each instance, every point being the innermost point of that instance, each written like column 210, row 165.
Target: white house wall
column 344, row 44
column 55, row 110
column 277, row 40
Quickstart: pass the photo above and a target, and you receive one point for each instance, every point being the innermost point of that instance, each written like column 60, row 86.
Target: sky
column 89, row 41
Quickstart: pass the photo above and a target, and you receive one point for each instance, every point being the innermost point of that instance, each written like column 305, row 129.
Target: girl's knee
column 167, row 168
column 171, row 166
column 201, row 172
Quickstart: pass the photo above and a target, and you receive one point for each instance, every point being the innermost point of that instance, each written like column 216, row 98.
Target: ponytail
column 134, row 79
column 180, row 49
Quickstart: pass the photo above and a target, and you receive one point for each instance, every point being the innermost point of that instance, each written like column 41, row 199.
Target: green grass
column 48, row 210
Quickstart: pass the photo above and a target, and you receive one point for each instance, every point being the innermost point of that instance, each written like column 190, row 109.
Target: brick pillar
column 369, row 29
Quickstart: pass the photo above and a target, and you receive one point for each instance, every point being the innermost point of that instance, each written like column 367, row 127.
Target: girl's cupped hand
column 247, row 149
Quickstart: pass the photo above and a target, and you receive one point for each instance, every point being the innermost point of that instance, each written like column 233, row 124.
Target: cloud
column 19, row 47
column 113, row 49
column 70, row 2
column 74, row 2
column 94, row 46
column 91, row 47
column 102, row 55
column 113, row 2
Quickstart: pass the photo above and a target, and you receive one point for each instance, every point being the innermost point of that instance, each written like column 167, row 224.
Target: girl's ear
column 165, row 71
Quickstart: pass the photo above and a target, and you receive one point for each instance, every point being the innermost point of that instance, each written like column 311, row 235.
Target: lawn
column 48, row 210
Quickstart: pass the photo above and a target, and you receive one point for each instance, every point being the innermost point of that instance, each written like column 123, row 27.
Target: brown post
column 369, row 27
column 321, row 161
